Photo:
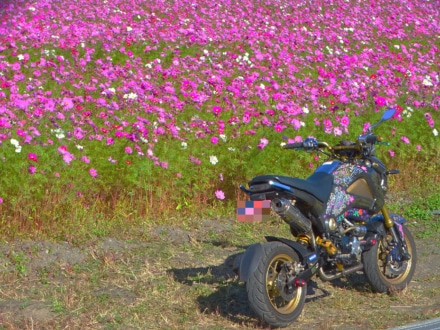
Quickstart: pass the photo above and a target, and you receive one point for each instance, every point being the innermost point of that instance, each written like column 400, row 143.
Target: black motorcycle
column 340, row 223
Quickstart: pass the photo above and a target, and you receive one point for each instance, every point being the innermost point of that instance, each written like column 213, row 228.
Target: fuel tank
column 354, row 186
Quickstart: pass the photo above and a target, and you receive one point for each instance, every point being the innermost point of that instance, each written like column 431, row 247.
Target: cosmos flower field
column 180, row 101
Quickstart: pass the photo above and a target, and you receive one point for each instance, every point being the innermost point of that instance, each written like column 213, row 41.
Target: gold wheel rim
column 382, row 265
column 281, row 305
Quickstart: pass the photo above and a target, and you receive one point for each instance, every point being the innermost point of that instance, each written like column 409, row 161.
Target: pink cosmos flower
column 220, row 194
column 391, row 152
column 93, row 172
column 366, row 127
column 263, row 143
column 16, row 66
column 345, row 121
column 33, row 157
column 68, row 157
column 279, row 128
column 405, row 139
column 214, row 140
column 380, row 101
column 32, row 169
column 216, row 109
column 128, row 150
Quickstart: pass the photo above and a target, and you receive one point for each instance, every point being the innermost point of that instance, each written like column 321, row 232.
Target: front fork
column 398, row 238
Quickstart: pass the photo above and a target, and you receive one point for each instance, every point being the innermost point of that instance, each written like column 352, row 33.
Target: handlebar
column 354, row 147
column 312, row 144
column 296, row 145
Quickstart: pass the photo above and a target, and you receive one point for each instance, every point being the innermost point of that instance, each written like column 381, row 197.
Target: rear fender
column 249, row 261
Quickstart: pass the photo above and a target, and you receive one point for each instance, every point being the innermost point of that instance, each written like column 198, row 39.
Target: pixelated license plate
column 253, row 211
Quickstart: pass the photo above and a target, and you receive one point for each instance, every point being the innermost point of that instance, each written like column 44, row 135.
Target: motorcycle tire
column 386, row 276
column 265, row 288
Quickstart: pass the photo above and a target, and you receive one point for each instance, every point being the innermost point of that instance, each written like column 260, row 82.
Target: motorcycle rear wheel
column 264, row 287
column 388, row 276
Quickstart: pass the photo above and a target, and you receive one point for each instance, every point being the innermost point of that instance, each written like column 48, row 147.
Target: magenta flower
column 128, row 150
column 93, row 172
column 1, row 200
column 391, row 152
column 32, row 169
column 214, row 140
column 345, row 121
column 380, row 101
column 216, row 109
column 33, row 157
column 220, row 194
column 16, row 66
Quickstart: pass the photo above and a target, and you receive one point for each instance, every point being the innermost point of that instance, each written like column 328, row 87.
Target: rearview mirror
column 388, row 114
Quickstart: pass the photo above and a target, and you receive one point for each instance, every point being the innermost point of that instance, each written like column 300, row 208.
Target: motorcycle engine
column 349, row 244
column 349, row 250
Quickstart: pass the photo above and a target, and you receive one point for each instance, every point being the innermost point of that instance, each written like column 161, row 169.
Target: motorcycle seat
column 319, row 184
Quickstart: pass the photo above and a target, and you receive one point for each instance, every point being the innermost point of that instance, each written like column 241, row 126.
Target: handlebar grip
column 296, row 145
column 352, row 147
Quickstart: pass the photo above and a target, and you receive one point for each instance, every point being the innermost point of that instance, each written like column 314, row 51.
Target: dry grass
column 179, row 279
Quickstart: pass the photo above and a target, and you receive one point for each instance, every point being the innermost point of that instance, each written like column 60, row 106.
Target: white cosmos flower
column 213, row 160
column 427, row 81
column 130, row 96
column 15, row 143
column 435, row 132
column 184, row 145
column 223, row 137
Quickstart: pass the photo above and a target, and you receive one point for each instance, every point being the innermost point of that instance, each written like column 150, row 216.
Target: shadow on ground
column 229, row 300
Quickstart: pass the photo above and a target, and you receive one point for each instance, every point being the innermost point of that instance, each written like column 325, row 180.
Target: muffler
column 299, row 224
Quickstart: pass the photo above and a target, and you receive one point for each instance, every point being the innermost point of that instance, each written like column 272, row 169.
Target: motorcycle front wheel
column 266, row 287
column 383, row 267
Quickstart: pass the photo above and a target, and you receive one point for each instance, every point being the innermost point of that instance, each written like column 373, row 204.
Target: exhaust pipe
column 299, row 224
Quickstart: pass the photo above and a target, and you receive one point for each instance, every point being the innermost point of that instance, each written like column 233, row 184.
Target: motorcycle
column 340, row 223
